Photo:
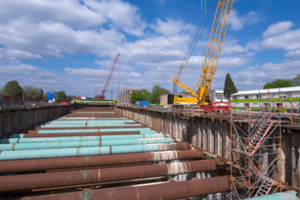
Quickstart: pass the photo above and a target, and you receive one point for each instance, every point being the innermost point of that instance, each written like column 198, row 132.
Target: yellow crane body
column 212, row 55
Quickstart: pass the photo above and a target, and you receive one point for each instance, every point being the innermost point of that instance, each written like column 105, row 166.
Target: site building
column 124, row 98
column 279, row 98
column 217, row 96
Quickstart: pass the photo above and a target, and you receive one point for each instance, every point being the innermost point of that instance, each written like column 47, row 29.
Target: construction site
column 193, row 147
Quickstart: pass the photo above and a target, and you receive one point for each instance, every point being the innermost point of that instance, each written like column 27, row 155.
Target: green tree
column 13, row 89
column 61, row 95
column 140, row 95
column 71, row 97
column 41, row 93
column 156, row 92
column 229, row 87
column 2, row 90
column 279, row 83
column 133, row 97
column 145, row 95
column 46, row 96
column 33, row 93
column 296, row 80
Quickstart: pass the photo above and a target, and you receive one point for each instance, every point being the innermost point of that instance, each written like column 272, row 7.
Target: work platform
column 95, row 153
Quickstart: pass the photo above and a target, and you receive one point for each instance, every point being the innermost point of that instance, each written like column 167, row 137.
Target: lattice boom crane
column 101, row 96
column 212, row 55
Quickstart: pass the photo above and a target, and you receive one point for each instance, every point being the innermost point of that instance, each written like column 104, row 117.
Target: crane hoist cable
column 195, row 41
column 213, row 52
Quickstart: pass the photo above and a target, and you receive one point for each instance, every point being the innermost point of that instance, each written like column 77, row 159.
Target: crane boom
column 213, row 52
column 101, row 96
column 214, row 48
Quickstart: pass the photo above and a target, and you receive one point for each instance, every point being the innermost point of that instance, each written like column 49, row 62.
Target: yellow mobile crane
column 211, row 60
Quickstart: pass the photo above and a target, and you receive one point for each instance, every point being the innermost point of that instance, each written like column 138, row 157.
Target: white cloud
column 289, row 40
column 155, row 49
column 14, row 53
column 43, row 29
column 121, row 14
column 50, row 39
column 171, row 27
column 30, row 75
column 238, row 22
column 33, row 29
column 278, row 36
column 295, row 54
column 254, row 45
column 23, row 54
column 69, row 12
column 231, row 47
column 256, row 76
column 72, row 13
column 281, row 36
column 277, row 29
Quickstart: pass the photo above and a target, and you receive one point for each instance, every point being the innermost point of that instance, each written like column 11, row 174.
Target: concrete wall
column 213, row 135
column 19, row 119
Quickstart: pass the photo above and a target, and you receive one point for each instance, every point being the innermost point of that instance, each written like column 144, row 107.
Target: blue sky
column 70, row 44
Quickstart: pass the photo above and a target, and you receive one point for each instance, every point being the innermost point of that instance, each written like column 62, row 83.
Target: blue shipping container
column 143, row 103
column 50, row 95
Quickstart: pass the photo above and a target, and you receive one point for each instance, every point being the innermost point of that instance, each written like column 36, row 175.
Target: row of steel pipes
column 94, row 153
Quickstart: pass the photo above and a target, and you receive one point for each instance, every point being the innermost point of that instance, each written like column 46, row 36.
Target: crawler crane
column 101, row 96
column 210, row 63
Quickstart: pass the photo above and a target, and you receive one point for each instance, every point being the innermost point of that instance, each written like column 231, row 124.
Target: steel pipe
column 91, row 125
column 77, row 177
column 74, row 134
column 94, row 127
column 79, row 162
column 89, row 121
column 87, row 151
column 162, row 191
column 288, row 195
column 88, row 118
column 142, row 130
column 80, row 144
column 77, row 138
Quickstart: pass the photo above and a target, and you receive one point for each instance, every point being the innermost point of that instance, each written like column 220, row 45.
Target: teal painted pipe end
column 290, row 195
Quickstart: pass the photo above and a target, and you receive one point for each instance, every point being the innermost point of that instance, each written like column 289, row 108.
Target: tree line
column 280, row 83
column 145, row 95
column 13, row 89
column 229, row 88
column 154, row 96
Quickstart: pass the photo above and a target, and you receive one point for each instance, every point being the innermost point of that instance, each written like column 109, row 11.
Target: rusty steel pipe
column 77, row 177
column 92, row 127
column 93, row 115
column 80, row 134
column 162, row 191
column 89, row 161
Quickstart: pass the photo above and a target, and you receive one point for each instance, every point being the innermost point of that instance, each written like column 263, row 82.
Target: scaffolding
column 255, row 147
